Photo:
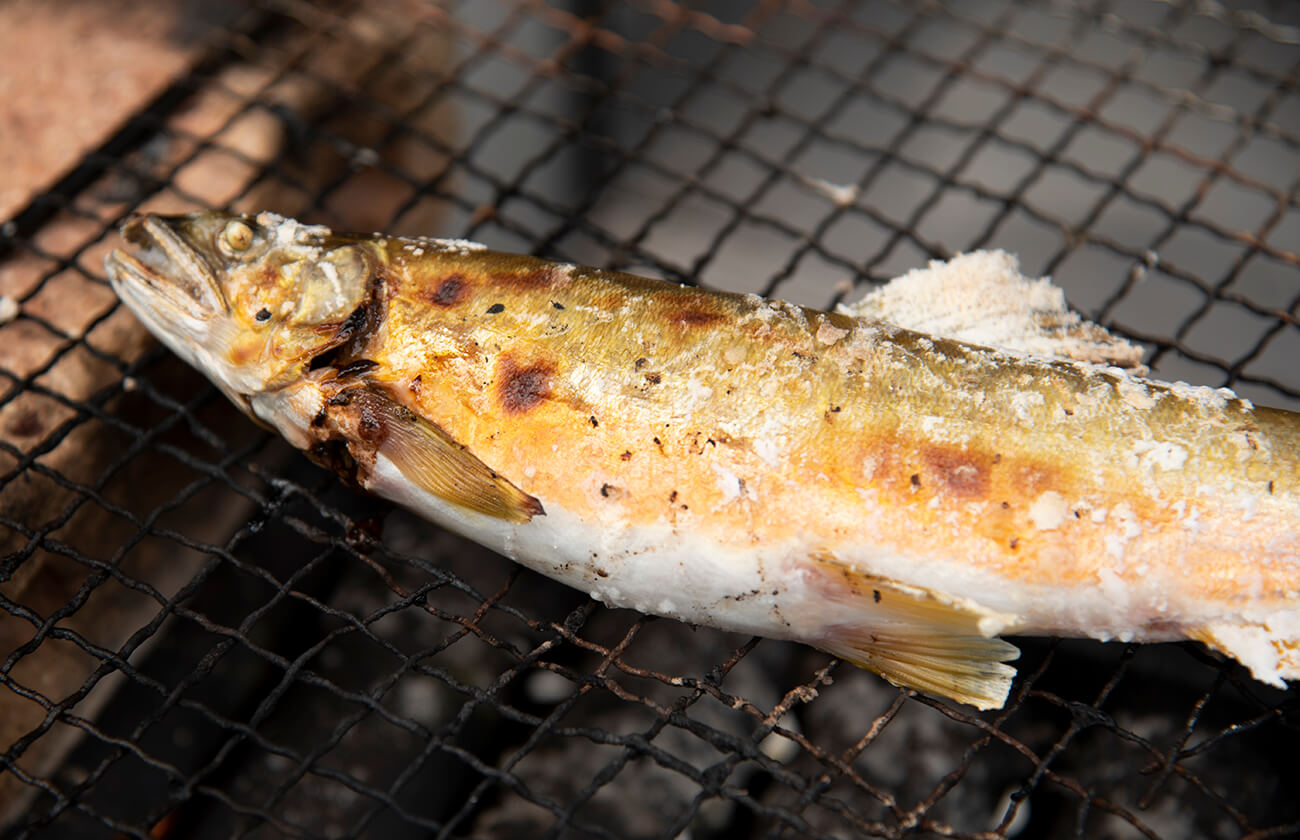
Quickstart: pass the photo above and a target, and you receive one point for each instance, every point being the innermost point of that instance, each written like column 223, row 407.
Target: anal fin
column 921, row 639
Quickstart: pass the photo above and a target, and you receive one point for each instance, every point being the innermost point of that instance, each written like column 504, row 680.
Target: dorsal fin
column 982, row 298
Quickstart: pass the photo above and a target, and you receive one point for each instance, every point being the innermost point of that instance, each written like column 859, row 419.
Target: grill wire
column 205, row 636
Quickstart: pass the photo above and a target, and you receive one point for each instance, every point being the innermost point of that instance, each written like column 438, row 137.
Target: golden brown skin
column 847, row 483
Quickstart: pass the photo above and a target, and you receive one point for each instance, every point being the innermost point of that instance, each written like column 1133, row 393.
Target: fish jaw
column 164, row 262
column 252, row 314
column 174, row 292
column 173, row 288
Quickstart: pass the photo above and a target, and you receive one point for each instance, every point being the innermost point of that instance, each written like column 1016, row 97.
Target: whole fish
column 894, row 498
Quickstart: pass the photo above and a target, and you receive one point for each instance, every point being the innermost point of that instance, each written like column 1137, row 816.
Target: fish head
column 249, row 300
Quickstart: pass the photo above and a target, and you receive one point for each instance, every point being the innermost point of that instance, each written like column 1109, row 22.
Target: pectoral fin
column 917, row 638
column 436, row 462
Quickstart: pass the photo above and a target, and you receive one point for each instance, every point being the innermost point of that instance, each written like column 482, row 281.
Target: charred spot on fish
column 875, row 595
column 324, row 360
column 1014, row 543
column 496, row 308
column 537, row 278
column 348, row 337
column 356, row 322
column 606, row 489
column 626, row 456
column 450, row 291
column 653, row 378
column 694, row 317
column 672, row 497
column 263, row 314
column 1270, row 488
column 602, row 573
column 320, row 418
column 333, row 454
column 640, row 363
column 594, row 422
column 370, row 426
column 959, row 472
column 522, row 388
column 357, row 367
column 916, row 479
column 416, row 385
column 1006, row 506
column 997, row 457
column 555, row 304
column 342, row 398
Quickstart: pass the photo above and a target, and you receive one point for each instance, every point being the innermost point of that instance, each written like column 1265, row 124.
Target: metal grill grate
column 203, row 636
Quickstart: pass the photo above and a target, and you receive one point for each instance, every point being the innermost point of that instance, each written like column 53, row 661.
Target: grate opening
column 202, row 635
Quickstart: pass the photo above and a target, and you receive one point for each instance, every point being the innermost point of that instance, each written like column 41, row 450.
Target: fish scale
column 896, row 498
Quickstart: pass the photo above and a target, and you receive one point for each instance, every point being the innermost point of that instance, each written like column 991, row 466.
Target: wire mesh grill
column 201, row 635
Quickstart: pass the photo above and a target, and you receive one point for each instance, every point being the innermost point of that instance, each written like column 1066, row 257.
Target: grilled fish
column 895, row 498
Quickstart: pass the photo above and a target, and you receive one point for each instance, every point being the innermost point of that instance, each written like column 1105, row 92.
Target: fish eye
column 237, row 236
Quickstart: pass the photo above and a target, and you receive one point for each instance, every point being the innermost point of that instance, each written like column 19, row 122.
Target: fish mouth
column 163, row 269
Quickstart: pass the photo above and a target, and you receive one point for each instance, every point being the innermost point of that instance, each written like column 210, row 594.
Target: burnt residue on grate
column 202, row 635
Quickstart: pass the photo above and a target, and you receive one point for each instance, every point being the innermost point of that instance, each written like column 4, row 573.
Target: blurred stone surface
column 70, row 74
